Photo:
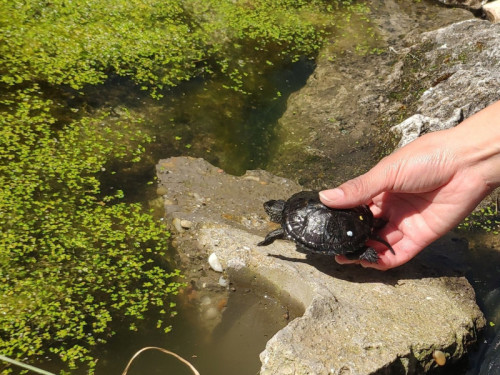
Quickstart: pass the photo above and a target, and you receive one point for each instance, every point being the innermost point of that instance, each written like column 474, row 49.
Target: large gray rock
column 460, row 66
column 470, row 4
column 356, row 321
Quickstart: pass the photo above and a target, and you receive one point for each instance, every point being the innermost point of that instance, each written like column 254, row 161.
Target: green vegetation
column 486, row 219
column 155, row 43
column 74, row 262
column 71, row 261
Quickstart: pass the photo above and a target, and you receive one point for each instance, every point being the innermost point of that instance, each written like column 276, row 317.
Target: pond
column 235, row 132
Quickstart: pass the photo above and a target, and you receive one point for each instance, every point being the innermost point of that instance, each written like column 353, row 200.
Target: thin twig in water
column 195, row 372
column 23, row 365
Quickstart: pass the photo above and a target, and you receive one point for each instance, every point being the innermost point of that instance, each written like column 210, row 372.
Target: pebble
column 223, row 281
column 439, row 357
column 186, row 224
column 211, row 313
column 161, row 190
column 252, row 178
column 214, row 263
column 177, row 224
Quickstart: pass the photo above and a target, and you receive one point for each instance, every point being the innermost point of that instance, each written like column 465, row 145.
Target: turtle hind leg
column 369, row 254
column 277, row 234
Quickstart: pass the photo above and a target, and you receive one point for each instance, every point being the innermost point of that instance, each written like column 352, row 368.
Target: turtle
column 317, row 228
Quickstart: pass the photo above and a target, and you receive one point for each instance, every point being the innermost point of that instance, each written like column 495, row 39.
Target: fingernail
column 331, row 195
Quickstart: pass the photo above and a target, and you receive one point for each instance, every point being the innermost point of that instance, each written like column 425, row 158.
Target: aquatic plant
column 486, row 219
column 156, row 43
column 72, row 261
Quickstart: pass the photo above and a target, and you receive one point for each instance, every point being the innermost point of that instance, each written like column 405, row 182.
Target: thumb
column 359, row 190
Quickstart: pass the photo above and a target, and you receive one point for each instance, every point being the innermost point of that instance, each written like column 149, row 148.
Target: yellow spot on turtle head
column 361, row 217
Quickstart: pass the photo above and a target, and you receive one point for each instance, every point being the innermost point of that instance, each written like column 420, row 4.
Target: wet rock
column 458, row 72
column 356, row 321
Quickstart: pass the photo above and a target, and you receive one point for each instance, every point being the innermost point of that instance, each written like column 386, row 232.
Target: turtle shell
column 318, row 228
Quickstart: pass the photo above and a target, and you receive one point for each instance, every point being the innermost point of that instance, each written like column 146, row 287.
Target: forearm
column 478, row 143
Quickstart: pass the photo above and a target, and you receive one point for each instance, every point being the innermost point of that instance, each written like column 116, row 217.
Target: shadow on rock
column 444, row 258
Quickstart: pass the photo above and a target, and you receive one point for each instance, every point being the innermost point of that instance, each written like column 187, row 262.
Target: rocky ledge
column 356, row 321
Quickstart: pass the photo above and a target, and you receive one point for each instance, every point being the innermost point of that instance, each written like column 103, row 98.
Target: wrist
column 477, row 144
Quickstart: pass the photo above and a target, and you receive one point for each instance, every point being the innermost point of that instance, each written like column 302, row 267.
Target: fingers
column 405, row 250
column 359, row 190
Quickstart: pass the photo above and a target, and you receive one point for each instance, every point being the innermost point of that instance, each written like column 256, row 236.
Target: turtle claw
column 370, row 255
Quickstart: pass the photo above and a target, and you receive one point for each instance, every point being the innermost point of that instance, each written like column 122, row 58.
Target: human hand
column 423, row 190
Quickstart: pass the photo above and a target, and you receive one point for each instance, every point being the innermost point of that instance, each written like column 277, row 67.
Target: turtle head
column 274, row 208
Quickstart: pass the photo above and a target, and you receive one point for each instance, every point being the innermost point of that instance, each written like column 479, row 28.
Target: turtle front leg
column 277, row 234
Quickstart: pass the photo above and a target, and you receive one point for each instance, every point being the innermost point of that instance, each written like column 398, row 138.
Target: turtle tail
column 377, row 238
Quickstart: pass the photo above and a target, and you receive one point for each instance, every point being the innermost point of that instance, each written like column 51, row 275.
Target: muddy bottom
column 249, row 320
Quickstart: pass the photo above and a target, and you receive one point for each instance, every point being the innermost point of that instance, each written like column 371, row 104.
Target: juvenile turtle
column 317, row 228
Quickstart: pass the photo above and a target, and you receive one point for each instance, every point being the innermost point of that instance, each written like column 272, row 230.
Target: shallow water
column 250, row 319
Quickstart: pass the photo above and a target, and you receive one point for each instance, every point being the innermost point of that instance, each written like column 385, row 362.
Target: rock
column 176, row 222
column 468, row 82
column 439, row 357
column 416, row 125
column 186, row 224
column 330, row 131
column 356, row 320
column 492, row 11
column 469, row 4
column 213, row 260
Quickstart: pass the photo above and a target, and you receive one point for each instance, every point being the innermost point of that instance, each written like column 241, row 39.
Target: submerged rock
column 356, row 320
column 491, row 363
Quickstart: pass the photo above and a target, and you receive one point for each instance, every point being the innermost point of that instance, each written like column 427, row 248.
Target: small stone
column 223, row 281
column 168, row 202
column 252, row 178
column 214, row 263
column 439, row 357
column 161, row 190
column 177, row 224
column 186, row 224
column 205, row 300
column 211, row 313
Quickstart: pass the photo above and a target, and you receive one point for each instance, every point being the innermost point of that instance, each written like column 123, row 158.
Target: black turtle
column 317, row 228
